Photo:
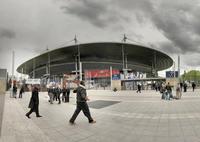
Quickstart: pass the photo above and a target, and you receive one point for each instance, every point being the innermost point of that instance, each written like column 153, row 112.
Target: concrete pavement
column 121, row 116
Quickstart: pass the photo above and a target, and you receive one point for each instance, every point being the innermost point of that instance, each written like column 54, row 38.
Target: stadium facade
column 98, row 57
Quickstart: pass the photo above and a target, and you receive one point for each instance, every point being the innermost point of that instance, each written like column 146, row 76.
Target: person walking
column 21, row 92
column 14, row 91
column 50, row 93
column 139, row 88
column 68, row 91
column 81, row 104
column 185, row 87
column 181, row 86
column 193, row 86
column 58, row 91
column 34, row 103
column 178, row 91
column 64, row 91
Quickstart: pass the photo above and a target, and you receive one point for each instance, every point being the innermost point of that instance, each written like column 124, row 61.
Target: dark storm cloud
column 178, row 21
column 168, row 47
column 138, row 6
column 6, row 33
column 99, row 13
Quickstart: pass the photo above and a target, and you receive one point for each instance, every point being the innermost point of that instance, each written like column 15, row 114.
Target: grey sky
column 28, row 27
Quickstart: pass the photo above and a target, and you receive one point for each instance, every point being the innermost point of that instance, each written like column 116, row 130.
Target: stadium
column 93, row 61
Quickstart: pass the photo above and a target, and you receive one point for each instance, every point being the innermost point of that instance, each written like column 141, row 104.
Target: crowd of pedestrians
column 61, row 93
column 56, row 90
column 14, row 91
column 166, row 90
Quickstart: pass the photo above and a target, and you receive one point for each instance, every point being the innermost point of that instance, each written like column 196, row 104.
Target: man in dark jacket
column 81, row 101
column 14, row 91
column 64, row 91
column 185, row 87
column 21, row 92
column 193, row 86
column 139, row 88
column 68, row 91
column 34, row 103
column 58, row 91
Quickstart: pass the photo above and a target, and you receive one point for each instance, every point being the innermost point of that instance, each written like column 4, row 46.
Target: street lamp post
column 49, row 66
column 124, row 57
column 78, row 61
column 13, row 66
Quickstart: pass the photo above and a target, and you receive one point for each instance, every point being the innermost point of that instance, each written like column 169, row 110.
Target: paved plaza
column 121, row 116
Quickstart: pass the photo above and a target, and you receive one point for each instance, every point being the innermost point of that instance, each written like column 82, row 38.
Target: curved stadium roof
column 99, row 55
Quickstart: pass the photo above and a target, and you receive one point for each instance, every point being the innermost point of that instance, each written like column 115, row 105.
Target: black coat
column 81, row 94
column 21, row 90
column 34, row 101
column 14, row 89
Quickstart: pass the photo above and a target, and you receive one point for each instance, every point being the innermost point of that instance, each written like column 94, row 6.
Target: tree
column 192, row 75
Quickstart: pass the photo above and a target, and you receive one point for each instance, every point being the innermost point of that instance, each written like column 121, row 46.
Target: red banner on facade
column 99, row 73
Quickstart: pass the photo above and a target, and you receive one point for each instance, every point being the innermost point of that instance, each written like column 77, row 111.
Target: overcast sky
column 29, row 26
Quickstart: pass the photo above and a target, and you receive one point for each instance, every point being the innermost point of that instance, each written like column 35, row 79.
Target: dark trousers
column 185, row 89
column 58, row 97
column 193, row 89
column 35, row 108
column 84, row 107
column 139, row 90
column 20, row 95
column 67, row 96
column 64, row 97
column 55, row 96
